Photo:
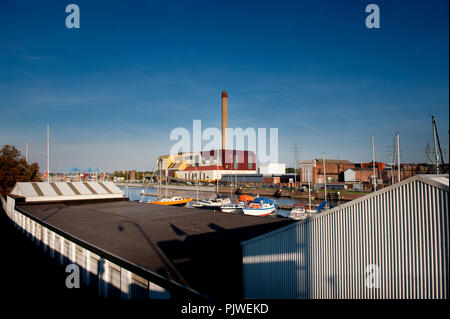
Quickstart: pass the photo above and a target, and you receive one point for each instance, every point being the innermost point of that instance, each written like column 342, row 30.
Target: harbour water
column 135, row 193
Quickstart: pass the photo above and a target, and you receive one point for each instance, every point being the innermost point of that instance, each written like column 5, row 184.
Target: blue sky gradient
column 114, row 89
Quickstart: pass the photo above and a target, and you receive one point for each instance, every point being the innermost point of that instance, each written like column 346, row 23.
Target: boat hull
column 258, row 211
column 231, row 209
column 182, row 202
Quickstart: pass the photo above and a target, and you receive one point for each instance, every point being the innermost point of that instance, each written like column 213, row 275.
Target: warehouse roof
column 197, row 248
column 45, row 191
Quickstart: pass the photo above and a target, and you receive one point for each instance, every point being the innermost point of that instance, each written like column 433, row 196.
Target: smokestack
column 224, row 119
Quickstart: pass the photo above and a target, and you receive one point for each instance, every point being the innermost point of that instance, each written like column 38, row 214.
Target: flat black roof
column 197, row 248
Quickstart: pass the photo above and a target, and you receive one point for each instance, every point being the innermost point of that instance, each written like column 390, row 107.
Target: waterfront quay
column 332, row 195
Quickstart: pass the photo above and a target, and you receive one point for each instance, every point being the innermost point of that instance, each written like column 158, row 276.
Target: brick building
column 312, row 170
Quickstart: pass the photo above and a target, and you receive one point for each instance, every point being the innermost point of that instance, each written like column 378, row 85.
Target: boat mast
column 26, row 152
column 160, row 176
column 324, row 175
column 398, row 157
column 167, row 181
column 373, row 165
column 126, row 186
column 393, row 161
column 436, row 155
column 309, row 188
column 48, row 152
column 437, row 145
column 196, row 178
column 217, row 174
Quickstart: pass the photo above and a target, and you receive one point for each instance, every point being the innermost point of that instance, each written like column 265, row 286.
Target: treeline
column 14, row 168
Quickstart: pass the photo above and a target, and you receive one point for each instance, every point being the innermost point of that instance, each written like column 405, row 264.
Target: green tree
column 14, row 168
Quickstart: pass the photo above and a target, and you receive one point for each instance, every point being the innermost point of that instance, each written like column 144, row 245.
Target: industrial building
column 211, row 165
column 271, row 169
column 392, row 243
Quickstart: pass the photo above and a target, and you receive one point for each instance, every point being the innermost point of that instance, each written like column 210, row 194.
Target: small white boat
column 256, row 209
column 232, row 208
column 214, row 203
column 299, row 213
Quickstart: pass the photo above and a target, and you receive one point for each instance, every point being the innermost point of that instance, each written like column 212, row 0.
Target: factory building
column 392, row 243
column 210, row 165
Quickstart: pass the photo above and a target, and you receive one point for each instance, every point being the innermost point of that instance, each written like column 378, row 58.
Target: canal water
column 135, row 194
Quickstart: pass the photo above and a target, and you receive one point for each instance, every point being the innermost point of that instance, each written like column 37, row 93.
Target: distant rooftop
column 58, row 191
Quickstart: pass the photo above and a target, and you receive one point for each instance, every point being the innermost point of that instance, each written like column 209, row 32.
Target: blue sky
column 114, row 89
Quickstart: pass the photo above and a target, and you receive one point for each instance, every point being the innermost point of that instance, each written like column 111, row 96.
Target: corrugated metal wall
column 403, row 231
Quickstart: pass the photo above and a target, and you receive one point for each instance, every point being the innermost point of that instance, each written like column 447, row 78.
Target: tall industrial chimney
column 224, row 119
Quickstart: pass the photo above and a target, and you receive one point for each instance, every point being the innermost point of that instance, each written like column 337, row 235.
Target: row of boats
column 248, row 205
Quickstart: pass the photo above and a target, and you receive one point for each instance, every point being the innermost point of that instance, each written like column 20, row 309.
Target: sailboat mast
column 48, row 152
column 160, row 176
column 26, row 152
column 373, row 165
column 324, row 175
column 167, row 181
column 309, row 188
column 436, row 154
column 398, row 157
column 217, row 174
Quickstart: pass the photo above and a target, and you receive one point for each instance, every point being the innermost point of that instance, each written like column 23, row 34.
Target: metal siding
column 404, row 231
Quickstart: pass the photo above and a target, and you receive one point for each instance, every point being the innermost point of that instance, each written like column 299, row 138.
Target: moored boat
column 171, row 201
column 233, row 208
column 213, row 203
column 299, row 213
column 255, row 209
column 260, row 207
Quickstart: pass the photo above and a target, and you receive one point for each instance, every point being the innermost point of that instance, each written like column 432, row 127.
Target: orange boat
column 245, row 198
column 172, row 201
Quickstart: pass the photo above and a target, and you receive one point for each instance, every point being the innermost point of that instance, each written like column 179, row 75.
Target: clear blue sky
column 114, row 89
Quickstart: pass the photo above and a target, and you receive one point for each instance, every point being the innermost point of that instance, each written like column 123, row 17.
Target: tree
column 14, row 168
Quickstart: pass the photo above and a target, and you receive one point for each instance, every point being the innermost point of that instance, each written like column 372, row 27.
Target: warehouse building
column 392, row 243
column 135, row 250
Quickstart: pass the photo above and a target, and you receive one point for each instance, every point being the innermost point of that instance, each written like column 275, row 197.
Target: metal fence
column 390, row 244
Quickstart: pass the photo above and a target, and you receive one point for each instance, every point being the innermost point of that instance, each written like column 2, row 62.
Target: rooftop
column 197, row 248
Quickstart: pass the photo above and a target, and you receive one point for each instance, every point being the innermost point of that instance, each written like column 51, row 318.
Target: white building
column 208, row 173
column 307, row 169
column 271, row 169
column 349, row 175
